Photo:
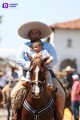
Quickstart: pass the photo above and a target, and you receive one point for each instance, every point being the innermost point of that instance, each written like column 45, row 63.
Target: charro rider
column 11, row 78
column 35, row 31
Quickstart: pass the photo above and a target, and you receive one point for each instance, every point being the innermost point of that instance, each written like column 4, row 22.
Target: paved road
column 67, row 115
column 3, row 114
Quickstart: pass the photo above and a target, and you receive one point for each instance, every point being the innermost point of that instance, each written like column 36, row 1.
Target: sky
column 47, row 11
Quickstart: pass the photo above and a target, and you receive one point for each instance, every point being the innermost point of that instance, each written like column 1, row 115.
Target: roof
column 73, row 24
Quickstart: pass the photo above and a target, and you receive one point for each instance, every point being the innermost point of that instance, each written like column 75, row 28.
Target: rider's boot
column 50, row 87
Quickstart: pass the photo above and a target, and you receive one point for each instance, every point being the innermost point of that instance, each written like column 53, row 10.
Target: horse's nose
column 37, row 91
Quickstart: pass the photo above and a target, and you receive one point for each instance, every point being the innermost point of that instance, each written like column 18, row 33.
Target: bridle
column 37, row 85
column 38, row 77
column 46, row 108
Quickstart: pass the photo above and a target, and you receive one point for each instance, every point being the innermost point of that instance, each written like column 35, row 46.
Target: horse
column 38, row 103
column 7, row 90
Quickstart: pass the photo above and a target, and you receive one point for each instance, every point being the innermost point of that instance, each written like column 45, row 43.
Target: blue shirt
column 2, row 81
column 14, row 75
column 24, row 61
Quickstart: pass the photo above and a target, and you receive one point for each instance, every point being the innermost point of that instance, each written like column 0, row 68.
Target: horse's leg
column 1, row 104
column 1, row 110
column 59, row 99
column 8, row 101
column 1, row 97
column 19, row 114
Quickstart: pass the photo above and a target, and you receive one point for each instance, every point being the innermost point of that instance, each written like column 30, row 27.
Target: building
column 66, row 37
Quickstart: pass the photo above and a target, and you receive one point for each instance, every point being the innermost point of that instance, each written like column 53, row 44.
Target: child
column 38, row 51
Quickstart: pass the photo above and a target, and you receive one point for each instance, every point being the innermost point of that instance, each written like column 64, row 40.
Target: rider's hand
column 48, row 61
column 25, row 84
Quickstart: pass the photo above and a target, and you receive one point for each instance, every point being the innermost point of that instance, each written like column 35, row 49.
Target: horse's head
column 38, row 74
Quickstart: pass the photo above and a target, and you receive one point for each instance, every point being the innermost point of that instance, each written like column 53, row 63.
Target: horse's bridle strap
column 35, row 112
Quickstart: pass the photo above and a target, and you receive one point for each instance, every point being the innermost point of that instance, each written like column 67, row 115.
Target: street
column 67, row 114
column 3, row 114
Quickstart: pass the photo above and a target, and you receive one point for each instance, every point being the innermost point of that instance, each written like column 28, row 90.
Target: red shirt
column 74, row 95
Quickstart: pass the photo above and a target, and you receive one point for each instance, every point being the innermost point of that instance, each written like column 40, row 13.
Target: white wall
column 60, row 40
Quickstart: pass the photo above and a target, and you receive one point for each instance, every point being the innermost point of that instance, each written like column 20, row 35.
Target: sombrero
column 12, row 64
column 45, row 30
column 68, row 68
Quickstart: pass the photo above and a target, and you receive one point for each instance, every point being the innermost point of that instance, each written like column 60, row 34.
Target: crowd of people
column 8, row 77
column 71, row 83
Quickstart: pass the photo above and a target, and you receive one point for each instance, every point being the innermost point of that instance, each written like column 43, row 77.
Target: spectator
column 11, row 78
column 75, row 98
column 70, row 71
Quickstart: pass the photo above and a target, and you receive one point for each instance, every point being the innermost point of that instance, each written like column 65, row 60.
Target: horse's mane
column 38, row 62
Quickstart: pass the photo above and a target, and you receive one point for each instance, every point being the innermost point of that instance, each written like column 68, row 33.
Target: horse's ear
column 30, row 58
column 45, row 59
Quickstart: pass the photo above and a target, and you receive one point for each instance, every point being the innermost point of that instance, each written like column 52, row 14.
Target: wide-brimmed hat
column 68, row 68
column 45, row 30
column 12, row 64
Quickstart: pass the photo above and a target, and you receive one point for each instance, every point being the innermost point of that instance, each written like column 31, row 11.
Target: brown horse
column 38, row 104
